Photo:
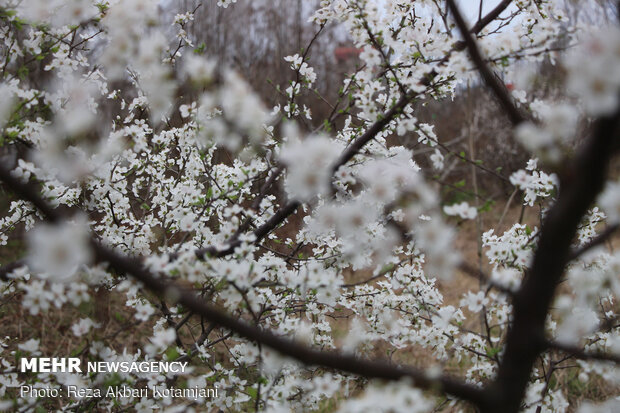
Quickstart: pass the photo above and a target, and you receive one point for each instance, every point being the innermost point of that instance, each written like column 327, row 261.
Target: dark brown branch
column 9, row 268
column 29, row 193
column 580, row 183
column 260, row 233
column 492, row 15
column 195, row 347
column 579, row 353
column 309, row 356
column 498, row 88
column 354, row 148
column 594, row 242
column 484, row 278
column 302, row 353
column 268, row 183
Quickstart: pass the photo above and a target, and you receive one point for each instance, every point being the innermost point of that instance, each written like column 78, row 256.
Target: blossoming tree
column 279, row 260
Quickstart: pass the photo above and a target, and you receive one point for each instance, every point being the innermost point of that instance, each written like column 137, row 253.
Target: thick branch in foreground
column 302, row 353
column 290, row 348
column 29, row 193
column 580, row 183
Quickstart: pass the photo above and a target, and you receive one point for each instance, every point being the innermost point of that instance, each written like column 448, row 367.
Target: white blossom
column 57, row 250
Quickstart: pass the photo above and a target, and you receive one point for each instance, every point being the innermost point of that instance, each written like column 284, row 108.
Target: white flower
column 199, row 69
column 437, row 160
column 560, row 120
column 31, row 346
column 506, row 277
column 309, row 166
column 160, row 341
column 392, row 397
column 538, row 184
column 371, row 56
column 593, row 72
column 532, row 137
column 144, row 311
column 37, row 297
column 578, row 323
column 83, row 326
column 225, row 3
column 462, row 210
column 57, row 250
column 295, row 61
column 304, row 69
column 520, row 95
column 609, row 200
column 6, row 105
column 474, row 302
column 611, row 405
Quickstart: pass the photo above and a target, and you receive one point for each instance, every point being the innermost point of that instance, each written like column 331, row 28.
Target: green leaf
column 252, row 392
column 200, row 49
column 22, row 72
column 492, row 352
column 172, row 353
column 487, row 206
column 113, row 380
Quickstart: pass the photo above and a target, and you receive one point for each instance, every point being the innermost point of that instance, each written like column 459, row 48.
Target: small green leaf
column 172, row 354
column 252, row 392
column 492, row 352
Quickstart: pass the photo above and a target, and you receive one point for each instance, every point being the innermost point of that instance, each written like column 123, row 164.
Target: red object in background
column 343, row 54
column 510, row 87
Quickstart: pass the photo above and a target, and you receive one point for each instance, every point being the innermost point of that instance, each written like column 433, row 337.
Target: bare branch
column 492, row 15
column 498, row 88
column 594, row 242
column 581, row 354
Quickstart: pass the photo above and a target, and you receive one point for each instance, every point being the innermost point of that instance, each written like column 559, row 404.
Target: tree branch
column 594, row 242
column 6, row 269
column 498, row 88
column 581, row 181
column 307, row 355
column 581, row 354
column 348, row 153
column 302, row 353
column 492, row 15
column 30, row 193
